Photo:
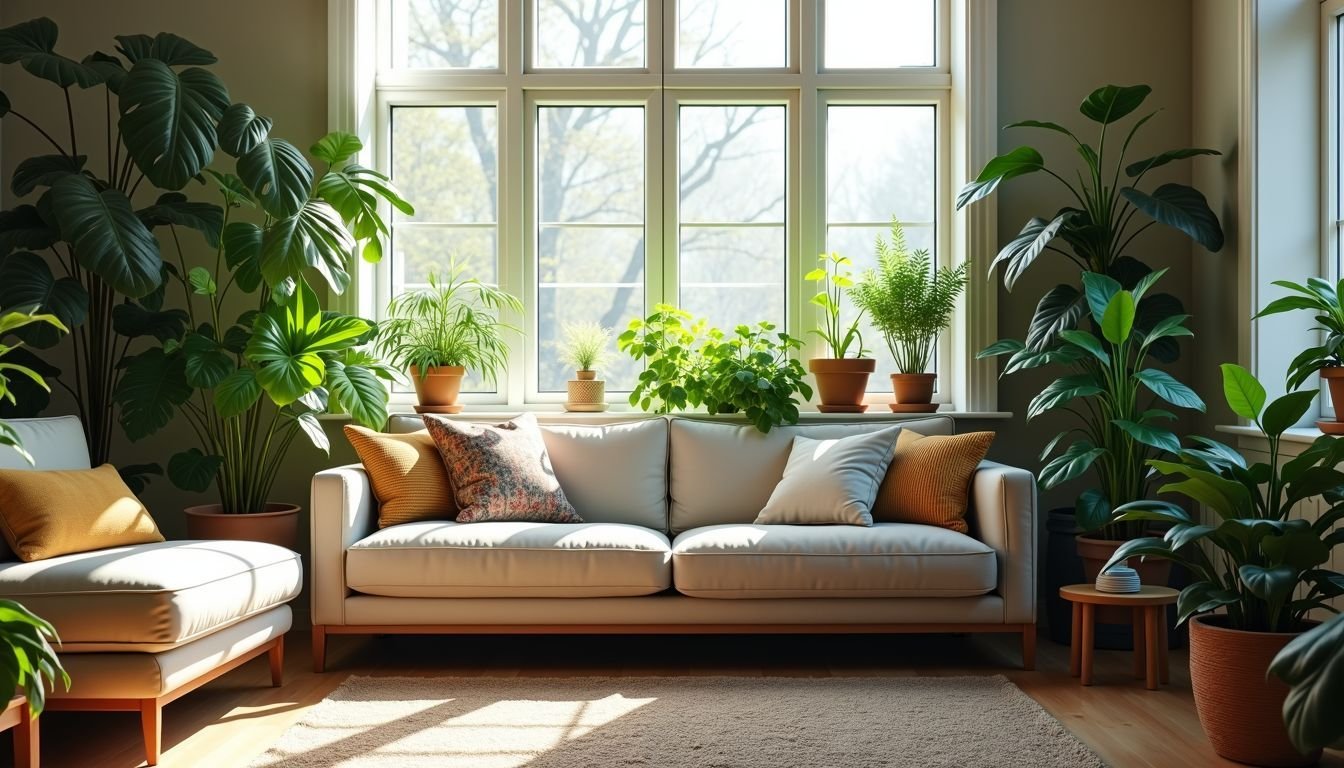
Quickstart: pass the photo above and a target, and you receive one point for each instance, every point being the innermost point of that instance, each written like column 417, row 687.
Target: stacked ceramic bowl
column 1118, row 579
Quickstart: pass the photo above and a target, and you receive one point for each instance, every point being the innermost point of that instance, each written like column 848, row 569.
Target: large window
column 597, row 157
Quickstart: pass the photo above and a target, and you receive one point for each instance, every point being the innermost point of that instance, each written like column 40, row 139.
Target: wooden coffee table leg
column 1164, row 669
column 1139, row 656
column 1150, row 637
column 1089, row 624
column 1076, row 642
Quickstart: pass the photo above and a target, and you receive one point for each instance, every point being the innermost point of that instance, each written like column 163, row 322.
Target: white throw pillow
column 831, row 482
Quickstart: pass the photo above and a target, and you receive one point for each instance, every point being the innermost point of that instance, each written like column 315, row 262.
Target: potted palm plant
column 910, row 302
column 444, row 329
column 841, row 380
column 1327, row 358
column 587, row 345
column 1257, row 569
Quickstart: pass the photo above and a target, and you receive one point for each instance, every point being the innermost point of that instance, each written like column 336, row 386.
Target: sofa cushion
column 54, row 442
column 725, row 473
column 151, row 597
column 831, row 481
column 49, row 513
column 887, row 560
column 510, row 559
column 407, row 475
column 929, row 479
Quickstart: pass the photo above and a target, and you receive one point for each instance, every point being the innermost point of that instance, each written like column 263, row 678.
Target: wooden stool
column 17, row 716
column 1148, row 606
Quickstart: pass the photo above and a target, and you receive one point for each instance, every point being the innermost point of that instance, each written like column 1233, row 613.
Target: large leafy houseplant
column 1321, row 299
column 1103, row 215
column 250, row 383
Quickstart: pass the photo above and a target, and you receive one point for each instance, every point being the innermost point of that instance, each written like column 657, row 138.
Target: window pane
column 590, row 241
column 589, row 33
column 445, row 34
column 743, row 33
column 879, row 34
column 732, row 164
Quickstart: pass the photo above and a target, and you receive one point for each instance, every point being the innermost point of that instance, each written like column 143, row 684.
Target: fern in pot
column 587, row 345
column 910, row 302
column 441, row 331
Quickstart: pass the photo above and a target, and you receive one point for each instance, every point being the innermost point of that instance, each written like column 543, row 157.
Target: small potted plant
column 910, row 302
column 1322, row 299
column 586, row 347
column 841, row 380
column 444, row 329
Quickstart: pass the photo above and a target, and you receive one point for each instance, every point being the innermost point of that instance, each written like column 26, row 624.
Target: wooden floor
column 234, row 719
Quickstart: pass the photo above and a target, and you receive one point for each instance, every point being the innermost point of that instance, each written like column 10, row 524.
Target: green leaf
column 1118, row 320
column 1156, row 437
column 1141, row 547
column 192, row 470
column 314, row 237
column 1060, row 392
column 137, row 476
column 1099, row 289
column 1092, row 510
column 107, row 236
column 1059, row 309
column 109, row 68
column 1245, row 396
column 336, row 147
column 26, row 282
column 1087, row 341
column 206, row 363
column 1202, row 597
column 202, row 282
column 237, row 393
column 133, row 321
column 43, row 171
column 149, row 390
column 1180, row 207
column 23, row 227
column 1049, row 126
column 1312, row 664
column 168, row 120
column 1273, row 585
column 1112, row 102
column 278, row 175
column 173, row 208
column 33, row 44
column 1157, row 161
column 285, row 372
column 242, row 253
column 1301, row 550
column 1286, row 411
column 311, row 427
column 178, row 52
column 1074, row 461
column 241, row 129
column 235, row 192
column 30, row 398
column 1018, row 162
column 1022, row 251
column 1164, row 386
column 1001, row 347
column 4, row 104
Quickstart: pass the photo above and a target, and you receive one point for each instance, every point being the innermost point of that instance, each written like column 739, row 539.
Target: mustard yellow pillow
column 45, row 514
column 407, row 475
column 929, row 479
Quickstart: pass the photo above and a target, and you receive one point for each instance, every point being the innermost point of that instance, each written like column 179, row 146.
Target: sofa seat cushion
column 510, row 559
column 152, row 597
column 782, row 561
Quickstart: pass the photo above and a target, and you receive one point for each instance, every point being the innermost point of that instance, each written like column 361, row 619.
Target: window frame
column 1332, row 215
column 364, row 87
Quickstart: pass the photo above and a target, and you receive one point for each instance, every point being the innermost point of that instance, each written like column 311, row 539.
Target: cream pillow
column 831, row 482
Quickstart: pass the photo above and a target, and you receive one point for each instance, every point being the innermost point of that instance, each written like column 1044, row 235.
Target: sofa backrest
column 612, row 473
column 724, row 473
column 55, row 442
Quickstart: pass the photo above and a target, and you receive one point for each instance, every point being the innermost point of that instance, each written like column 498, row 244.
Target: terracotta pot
column 585, row 375
column 440, row 386
column 1240, row 705
column 1334, row 379
column 278, row 524
column 841, row 383
column 1094, row 554
column 913, row 388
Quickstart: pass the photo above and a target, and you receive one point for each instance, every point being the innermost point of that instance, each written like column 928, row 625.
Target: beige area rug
column 658, row 722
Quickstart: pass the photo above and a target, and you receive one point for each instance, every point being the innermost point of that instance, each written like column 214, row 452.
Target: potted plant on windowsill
column 1327, row 358
column 910, row 302
column 841, row 380
column 586, row 347
column 1257, row 569
column 444, row 329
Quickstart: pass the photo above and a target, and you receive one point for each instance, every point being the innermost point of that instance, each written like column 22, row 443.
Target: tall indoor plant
column 444, row 329
column 1321, row 299
column 841, row 380
column 1257, row 570
column 910, row 302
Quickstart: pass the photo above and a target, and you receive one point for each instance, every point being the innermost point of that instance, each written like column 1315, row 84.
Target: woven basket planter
column 586, row 393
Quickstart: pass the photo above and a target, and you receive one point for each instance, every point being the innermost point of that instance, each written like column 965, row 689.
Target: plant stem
column 70, row 114
column 45, row 135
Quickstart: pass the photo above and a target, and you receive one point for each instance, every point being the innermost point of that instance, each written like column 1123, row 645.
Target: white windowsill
column 552, row 413
column 1294, row 435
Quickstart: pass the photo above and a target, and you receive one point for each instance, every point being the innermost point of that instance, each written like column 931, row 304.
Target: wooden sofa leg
column 319, row 648
column 26, row 741
column 277, row 659
column 151, row 724
column 1029, row 646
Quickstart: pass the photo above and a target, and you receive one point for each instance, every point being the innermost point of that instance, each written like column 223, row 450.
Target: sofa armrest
column 342, row 514
column 1003, row 513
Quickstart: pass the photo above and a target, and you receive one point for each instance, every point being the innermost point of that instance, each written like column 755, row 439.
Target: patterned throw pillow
column 500, row 472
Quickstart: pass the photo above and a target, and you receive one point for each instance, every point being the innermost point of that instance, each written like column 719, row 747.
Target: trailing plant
column 28, row 662
column 688, row 364
column 1258, row 564
column 250, row 384
column 587, row 345
column 910, row 302
column 1101, row 216
column 454, row 320
column 1121, row 400
column 1321, row 299
column 11, row 371
column 835, row 278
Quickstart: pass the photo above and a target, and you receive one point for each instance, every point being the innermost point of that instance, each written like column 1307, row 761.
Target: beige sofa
column 668, row 546
column 142, row 625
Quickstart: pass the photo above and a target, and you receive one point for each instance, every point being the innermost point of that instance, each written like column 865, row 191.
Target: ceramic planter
column 587, row 393
column 1240, row 705
column 277, row 524
column 438, row 389
column 1334, row 379
column 841, row 382
column 913, row 392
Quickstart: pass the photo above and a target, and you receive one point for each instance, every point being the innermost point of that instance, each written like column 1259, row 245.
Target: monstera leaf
column 108, row 238
column 315, row 237
column 33, row 44
column 150, row 390
column 168, row 120
column 43, row 171
column 26, row 283
column 24, row 227
column 174, row 208
column 288, row 343
column 278, row 175
column 241, row 129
